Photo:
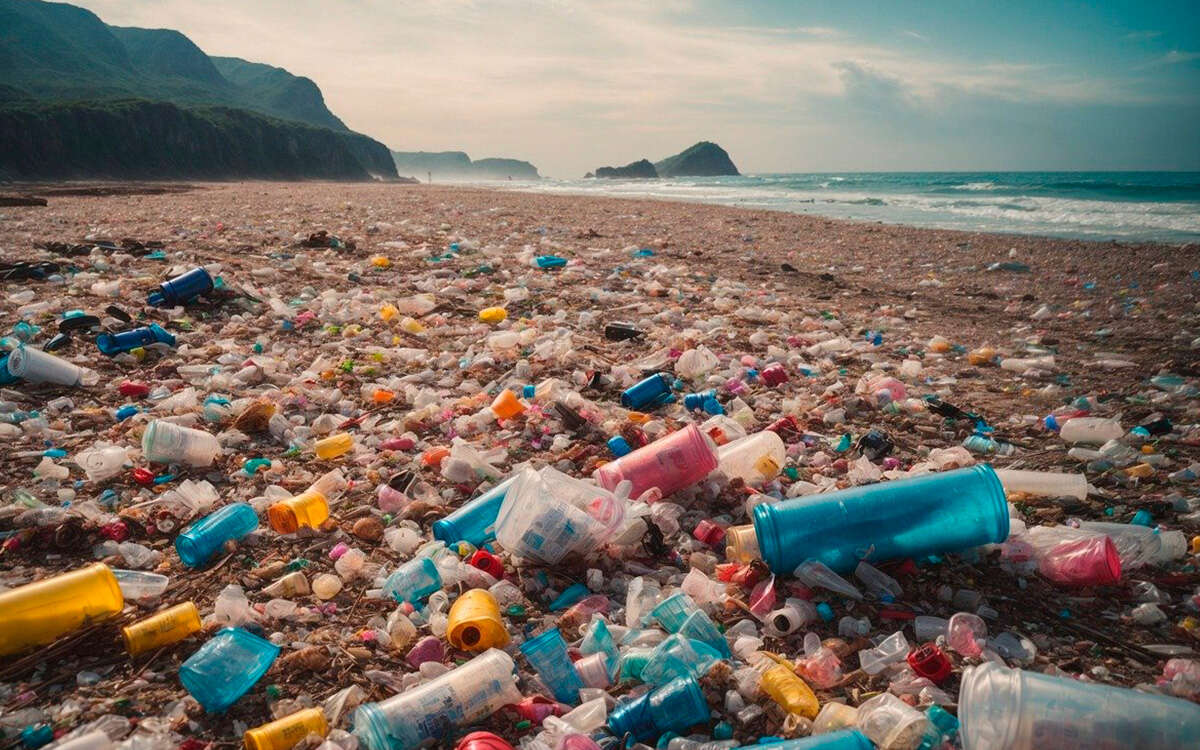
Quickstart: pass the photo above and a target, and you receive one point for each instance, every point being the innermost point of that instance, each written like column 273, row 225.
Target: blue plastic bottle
column 843, row 739
column 199, row 542
column 182, row 289
column 672, row 707
column 547, row 654
column 474, row 522
column 224, row 668
column 914, row 517
column 112, row 344
column 652, row 392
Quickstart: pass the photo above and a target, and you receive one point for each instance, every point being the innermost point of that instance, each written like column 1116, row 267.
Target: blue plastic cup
column 651, row 392
column 678, row 656
column 199, row 542
column 547, row 654
column 224, row 668
column 673, row 611
column 843, row 739
column 672, row 707
column 112, row 344
column 413, row 581
column 699, row 627
column 474, row 522
column 182, row 289
column 915, row 517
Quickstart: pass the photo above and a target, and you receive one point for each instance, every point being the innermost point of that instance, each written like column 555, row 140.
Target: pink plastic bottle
column 670, row 463
column 1092, row 561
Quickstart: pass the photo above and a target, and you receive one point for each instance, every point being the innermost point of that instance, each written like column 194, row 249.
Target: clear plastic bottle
column 755, row 459
column 433, row 709
column 168, row 443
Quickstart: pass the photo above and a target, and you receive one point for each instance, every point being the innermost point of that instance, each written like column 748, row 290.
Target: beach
column 1112, row 315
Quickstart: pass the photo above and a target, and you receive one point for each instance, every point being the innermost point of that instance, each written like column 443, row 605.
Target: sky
column 784, row 86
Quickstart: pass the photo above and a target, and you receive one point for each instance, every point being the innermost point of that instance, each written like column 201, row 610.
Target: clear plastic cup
column 1013, row 709
column 891, row 723
column 167, row 443
column 670, row 463
column 433, row 709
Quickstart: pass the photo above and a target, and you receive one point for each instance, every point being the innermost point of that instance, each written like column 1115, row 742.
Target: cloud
column 571, row 84
column 1176, row 56
column 1142, row 36
column 914, row 35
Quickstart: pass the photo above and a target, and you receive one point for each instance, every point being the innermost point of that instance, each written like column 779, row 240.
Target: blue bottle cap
column 619, row 446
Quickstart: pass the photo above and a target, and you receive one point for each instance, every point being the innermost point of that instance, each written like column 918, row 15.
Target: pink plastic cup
column 670, row 463
column 1092, row 561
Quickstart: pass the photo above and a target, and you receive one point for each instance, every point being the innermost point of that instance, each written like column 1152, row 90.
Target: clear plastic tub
column 1091, row 430
column 548, row 515
column 1013, row 709
column 670, row 463
column 914, row 517
column 432, row 710
column 754, row 459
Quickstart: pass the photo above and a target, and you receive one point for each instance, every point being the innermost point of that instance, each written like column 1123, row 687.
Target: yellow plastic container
column 38, row 613
column 388, row 311
column 493, row 315
column 169, row 626
column 507, row 405
column 786, row 688
column 474, row 622
column 410, row 325
column 981, row 356
column 285, row 733
column 309, row 508
column 334, row 445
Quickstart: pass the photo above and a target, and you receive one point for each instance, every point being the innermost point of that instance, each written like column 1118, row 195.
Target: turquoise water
column 1131, row 206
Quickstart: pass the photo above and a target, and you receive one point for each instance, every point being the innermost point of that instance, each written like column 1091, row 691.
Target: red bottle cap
column 488, row 563
column 928, row 661
column 482, row 741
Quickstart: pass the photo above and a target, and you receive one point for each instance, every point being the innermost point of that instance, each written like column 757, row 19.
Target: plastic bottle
column 754, row 459
column 652, row 392
column 162, row 629
column 474, row 622
column 1140, row 545
column 182, row 289
column 39, row 612
column 224, row 668
column 507, row 405
column 1013, row 709
column 914, row 517
column 784, row 686
column 309, row 509
column 37, row 366
column 547, row 654
column 670, row 463
column 96, row 739
column 547, row 515
column 1091, row 430
column 843, row 739
column 168, row 443
column 672, row 707
column 793, row 615
column 1044, row 483
column 112, row 344
column 333, row 446
column 286, row 733
column 413, row 581
column 102, row 463
column 431, row 710
column 474, row 522
column 198, row 543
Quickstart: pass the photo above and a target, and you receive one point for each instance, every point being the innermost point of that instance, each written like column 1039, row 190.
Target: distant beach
column 1130, row 206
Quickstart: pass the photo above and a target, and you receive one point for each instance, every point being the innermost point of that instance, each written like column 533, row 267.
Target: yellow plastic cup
column 38, row 613
column 474, row 622
column 285, row 733
column 334, row 445
column 162, row 629
column 309, row 508
column 493, row 315
column 507, row 405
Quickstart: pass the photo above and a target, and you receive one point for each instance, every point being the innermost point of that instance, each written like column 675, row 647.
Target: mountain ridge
column 458, row 165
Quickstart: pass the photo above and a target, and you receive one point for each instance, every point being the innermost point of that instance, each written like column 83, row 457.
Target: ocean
column 1130, row 206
